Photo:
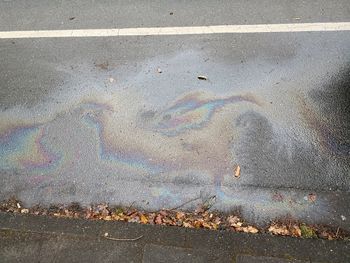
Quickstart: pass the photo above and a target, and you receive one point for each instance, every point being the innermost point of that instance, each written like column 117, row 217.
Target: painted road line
column 160, row 31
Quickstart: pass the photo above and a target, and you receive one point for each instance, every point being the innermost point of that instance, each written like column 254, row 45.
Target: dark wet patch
column 147, row 115
column 272, row 160
column 166, row 117
column 332, row 104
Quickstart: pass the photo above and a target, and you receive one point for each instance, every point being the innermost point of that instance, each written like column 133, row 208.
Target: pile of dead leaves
column 200, row 218
column 306, row 231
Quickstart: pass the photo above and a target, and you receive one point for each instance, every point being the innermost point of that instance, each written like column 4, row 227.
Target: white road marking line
column 196, row 30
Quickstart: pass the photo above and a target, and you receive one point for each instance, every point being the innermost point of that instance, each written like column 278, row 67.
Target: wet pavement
column 126, row 119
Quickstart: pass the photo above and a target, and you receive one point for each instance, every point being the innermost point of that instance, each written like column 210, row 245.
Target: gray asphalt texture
column 126, row 120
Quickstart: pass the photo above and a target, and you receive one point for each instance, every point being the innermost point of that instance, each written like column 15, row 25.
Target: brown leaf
column 238, row 224
column 251, row 229
column 116, row 217
column 25, row 211
column 180, row 215
column 207, row 225
column 197, row 224
column 186, row 224
column 132, row 214
column 143, row 219
column 199, row 209
column 296, row 231
column 103, row 209
column 163, row 213
column 158, row 220
column 217, row 220
column 168, row 221
column 238, row 171
column 278, row 230
column 215, row 226
column 151, row 218
column 233, row 220
column 326, row 235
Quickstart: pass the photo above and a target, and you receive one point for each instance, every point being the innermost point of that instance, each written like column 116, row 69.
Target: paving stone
column 156, row 253
column 16, row 246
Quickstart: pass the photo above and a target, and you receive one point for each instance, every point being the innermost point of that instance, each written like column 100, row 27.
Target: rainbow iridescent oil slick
column 23, row 148
column 186, row 143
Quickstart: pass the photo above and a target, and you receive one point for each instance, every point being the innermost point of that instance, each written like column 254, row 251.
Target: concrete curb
column 47, row 239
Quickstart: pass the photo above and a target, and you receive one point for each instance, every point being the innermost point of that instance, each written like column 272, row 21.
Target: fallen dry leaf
column 158, row 220
column 186, row 224
column 206, row 225
column 278, row 230
column 238, row 171
column 250, row 229
column 180, row 215
column 233, row 220
column 163, row 213
column 296, row 231
column 197, row 224
column 199, row 209
column 143, row 219
column 238, row 224
column 215, row 226
column 25, row 211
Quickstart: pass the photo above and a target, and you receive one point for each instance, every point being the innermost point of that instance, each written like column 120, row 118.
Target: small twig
column 123, row 239
column 129, row 208
column 209, row 202
column 336, row 235
column 183, row 204
column 177, row 207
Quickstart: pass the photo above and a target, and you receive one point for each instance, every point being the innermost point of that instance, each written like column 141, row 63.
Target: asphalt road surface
column 125, row 119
